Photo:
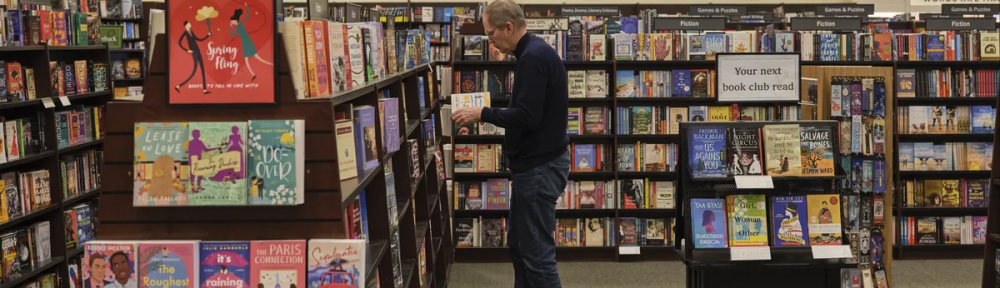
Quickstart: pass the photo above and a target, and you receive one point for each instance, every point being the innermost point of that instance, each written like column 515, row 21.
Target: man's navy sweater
column 535, row 119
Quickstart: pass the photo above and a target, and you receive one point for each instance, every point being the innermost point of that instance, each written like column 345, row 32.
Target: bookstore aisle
column 906, row 273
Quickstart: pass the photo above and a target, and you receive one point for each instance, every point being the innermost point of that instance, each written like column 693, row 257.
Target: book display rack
column 413, row 223
column 50, row 170
column 991, row 270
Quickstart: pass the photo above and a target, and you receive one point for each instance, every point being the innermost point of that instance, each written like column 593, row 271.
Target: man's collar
column 521, row 44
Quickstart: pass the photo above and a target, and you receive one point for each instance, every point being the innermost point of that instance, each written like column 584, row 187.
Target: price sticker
column 754, row 253
column 754, row 182
column 831, row 251
column 47, row 102
column 64, row 100
column 628, row 250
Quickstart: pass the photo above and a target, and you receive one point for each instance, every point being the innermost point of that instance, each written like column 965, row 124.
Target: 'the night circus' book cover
column 708, row 223
column 707, row 151
column 278, row 264
column 217, row 153
column 224, row 264
column 168, row 264
column 221, row 51
column 745, row 150
column 110, row 263
column 337, row 262
column 160, row 164
column 790, row 225
column 276, row 158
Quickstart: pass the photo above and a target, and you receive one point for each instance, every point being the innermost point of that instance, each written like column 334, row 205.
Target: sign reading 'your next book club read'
column 758, row 77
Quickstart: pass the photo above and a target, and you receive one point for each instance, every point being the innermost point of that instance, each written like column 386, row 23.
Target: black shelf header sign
column 766, row 17
column 609, row 11
column 832, row 24
column 941, row 24
column 925, row 16
column 970, row 9
column 717, row 10
column 689, row 23
column 845, row 9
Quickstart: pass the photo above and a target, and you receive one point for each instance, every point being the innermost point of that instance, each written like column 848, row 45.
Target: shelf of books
column 51, row 137
column 344, row 160
column 946, row 107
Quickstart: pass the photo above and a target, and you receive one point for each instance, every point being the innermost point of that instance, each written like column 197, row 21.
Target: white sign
column 47, row 102
column 831, row 251
column 64, row 100
column 547, row 24
column 750, row 253
column 628, row 250
column 758, row 77
column 754, row 182
column 939, row 2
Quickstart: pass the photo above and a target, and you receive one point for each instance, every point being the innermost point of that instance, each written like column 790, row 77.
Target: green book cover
column 747, row 220
column 276, row 157
column 218, row 163
column 160, row 164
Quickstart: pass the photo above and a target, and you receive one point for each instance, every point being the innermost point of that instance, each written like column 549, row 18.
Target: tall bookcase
column 422, row 216
column 991, row 271
column 50, row 156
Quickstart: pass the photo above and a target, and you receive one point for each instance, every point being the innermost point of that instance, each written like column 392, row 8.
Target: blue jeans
column 531, row 223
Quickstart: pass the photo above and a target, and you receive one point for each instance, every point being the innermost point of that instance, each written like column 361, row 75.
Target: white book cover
column 356, row 54
column 339, row 63
column 597, row 84
column 347, row 160
column 43, row 241
column 3, row 144
column 291, row 34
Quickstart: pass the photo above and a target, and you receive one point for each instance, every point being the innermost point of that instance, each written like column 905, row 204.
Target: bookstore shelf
column 420, row 231
column 946, row 137
column 560, row 213
column 127, row 50
column 376, row 251
column 350, row 189
column 432, row 202
column 780, row 257
column 22, row 48
column 957, row 248
column 943, row 212
column 914, row 101
column 930, row 63
column 402, row 208
column 28, row 217
column 437, row 248
column 676, row 101
column 658, row 64
column 946, row 174
column 411, row 125
column 121, row 19
column 995, row 238
column 88, row 95
column 39, row 268
column 80, row 198
column 646, row 174
column 80, row 146
column 484, row 63
column 563, row 253
column 73, row 253
column 78, row 47
column 25, row 160
column 591, row 175
column 648, row 213
column 459, row 175
column 130, row 79
column 848, row 63
column 641, row 137
column 409, row 268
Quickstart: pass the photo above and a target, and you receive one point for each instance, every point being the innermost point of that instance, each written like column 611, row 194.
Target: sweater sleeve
column 526, row 113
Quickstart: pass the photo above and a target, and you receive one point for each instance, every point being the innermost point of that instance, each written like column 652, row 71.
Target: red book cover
column 322, row 62
column 223, row 53
column 168, row 264
column 46, row 26
column 14, row 80
column 278, row 264
column 883, row 47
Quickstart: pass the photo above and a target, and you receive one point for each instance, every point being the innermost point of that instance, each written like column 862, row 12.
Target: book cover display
column 708, row 148
column 110, row 264
column 224, row 53
column 708, row 223
column 278, row 264
column 218, row 165
column 824, row 219
column 276, row 159
column 336, row 263
column 224, row 264
column 791, row 224
column 161, row 164
column 168, row 264
column 747, row 219
column 781, row 147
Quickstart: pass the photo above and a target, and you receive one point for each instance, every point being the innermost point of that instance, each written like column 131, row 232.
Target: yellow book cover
column 989, row 46
column 747, row 220
column 720, row 113
column 824, row 219
column 345, row 144
column 782, row 150
column 3, row 201
column 677, row 115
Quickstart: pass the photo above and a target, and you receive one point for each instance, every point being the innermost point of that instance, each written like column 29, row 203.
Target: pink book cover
column 109, row 264
column 278, row 264
column 336, row 263
column 168, row 264
column 322, row 67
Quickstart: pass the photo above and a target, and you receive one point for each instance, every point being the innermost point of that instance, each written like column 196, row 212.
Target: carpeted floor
column 906, row 274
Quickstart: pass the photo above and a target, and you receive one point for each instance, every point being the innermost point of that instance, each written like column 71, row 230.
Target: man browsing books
column 535, row 142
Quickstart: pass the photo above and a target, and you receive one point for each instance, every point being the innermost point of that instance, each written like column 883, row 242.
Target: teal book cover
column 276, row 158
column 218, row 163
column 160, row 160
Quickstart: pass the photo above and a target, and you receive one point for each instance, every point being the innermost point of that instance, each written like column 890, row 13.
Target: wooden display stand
column 322, row 214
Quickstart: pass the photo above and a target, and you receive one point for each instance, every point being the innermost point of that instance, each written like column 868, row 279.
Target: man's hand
column 467, row 115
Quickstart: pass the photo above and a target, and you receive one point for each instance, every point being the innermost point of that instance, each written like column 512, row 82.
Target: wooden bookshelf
column 322, row 214
column 38, row 58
